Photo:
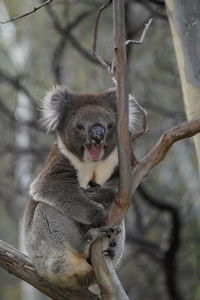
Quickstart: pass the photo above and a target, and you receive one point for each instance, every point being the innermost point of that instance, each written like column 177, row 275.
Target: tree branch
column 27, row 13
column 59, row 50
column 15, row 81
column 69, row 36
column 141, row 40
column 168, row 258
column 106, row 277
column 19, row 264
column 159, row 151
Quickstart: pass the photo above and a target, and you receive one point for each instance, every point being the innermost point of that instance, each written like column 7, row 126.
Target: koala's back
column 47, row 238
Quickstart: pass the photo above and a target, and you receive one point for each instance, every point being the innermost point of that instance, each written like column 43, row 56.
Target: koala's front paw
column 100, row 232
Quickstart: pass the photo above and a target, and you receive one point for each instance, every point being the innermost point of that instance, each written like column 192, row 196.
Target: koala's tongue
column 95, row 152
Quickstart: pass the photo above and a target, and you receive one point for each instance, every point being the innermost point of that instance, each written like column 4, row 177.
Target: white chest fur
column 87, row 170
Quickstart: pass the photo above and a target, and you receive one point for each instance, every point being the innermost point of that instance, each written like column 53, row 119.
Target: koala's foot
column 99, row 232
column 110, row 251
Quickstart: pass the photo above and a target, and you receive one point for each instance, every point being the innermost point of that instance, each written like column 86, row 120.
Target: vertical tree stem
column 122, row 99
column 108, row 281
column 124, row 196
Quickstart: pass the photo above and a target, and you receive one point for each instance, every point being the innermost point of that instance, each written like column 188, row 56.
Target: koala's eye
column 110, row 126
column 80, row 127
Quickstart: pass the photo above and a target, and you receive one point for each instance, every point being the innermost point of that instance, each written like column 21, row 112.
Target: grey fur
column 62, row 214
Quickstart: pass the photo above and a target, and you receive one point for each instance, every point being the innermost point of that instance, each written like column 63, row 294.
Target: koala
column 69, row 200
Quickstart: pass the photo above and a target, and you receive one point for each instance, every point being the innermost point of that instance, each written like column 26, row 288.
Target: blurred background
column 53, row 45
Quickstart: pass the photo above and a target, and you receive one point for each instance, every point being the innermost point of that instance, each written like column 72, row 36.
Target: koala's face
column 86, row 124
column 90, row 133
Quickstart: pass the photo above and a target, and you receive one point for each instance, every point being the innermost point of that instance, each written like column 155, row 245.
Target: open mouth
column 94, row 151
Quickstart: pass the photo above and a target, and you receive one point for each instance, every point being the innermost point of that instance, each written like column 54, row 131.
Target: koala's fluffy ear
column 136, row 116
column 54, row 107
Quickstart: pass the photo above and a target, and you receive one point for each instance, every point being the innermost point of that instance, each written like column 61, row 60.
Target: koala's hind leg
column 71, row 271
column 58, row 248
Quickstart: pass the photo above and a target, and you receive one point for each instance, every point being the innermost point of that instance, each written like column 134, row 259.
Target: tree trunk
column 185, row 27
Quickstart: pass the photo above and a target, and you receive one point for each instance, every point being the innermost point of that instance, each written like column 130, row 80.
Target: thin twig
column 27, row 13
column 146, row 27
column 105, row 65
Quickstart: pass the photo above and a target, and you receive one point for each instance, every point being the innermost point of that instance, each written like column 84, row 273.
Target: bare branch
column 15, row 81
column 146, row 27
column 159, row 151
column 19, row 265
column 27, row 13
column 105, row 65
column 59, row 50
column 69, row 36
column 152, row 249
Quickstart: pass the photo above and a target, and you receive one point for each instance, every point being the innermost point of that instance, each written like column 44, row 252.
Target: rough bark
column 185, row 27
column 19, row 265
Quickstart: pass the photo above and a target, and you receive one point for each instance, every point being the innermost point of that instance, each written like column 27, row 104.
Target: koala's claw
column 99, row 232
column 109, row 252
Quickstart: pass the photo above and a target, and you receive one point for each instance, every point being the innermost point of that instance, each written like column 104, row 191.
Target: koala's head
column 86, row 124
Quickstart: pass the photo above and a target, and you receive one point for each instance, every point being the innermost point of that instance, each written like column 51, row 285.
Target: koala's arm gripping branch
column 57, row 185
column 70, row 201
column 19, row 265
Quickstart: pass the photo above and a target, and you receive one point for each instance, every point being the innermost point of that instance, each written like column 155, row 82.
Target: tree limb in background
column 168, row 256
column 27, row 13
column 15, row 81
column 155, row 7
column 18, row 264
column 69, row 36
column 59, row 50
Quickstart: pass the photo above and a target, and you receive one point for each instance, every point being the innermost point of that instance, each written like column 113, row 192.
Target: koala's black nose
column 97, row 133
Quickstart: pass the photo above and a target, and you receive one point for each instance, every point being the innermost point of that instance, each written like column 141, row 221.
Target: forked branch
column 159, row 151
